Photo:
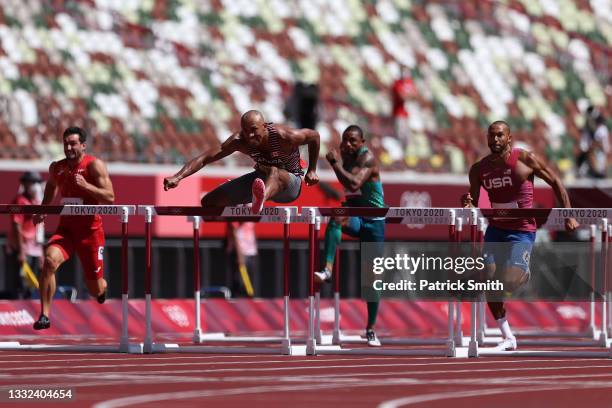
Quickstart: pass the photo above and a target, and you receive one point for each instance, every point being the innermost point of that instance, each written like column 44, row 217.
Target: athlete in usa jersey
column 78, row 179
column 507, row 176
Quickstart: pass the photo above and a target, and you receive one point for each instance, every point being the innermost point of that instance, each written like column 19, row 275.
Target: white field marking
column 202, row 357
column 141, row 399
column 349, row 382
column 346, row 383
column 135, row 363
column 110, row 379
column 401, row 402
column 152, row 377
column 390, row 382
column 38, row 354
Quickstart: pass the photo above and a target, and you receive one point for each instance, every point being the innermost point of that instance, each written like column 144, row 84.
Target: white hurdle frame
column 556, row 219
column 123, row 212
column 588, row 338
column 449, row 350
column 592, row 337
column 282, row 345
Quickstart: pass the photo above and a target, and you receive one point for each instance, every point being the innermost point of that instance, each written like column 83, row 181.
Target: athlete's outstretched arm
column 545, row 173
column 213, row 154
column 49, row 195
column 471, row 199
column 361, row 172
column 299, row 137
column 102, row 188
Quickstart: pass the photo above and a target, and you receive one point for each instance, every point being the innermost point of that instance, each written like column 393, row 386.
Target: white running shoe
column 258, row 190
column 507, row 344
column 372, row 339
column 324, row 276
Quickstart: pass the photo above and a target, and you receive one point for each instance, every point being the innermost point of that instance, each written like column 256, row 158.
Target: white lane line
column 333, row 378
column 271, row 369
column 326, row 383
column 401, row 402
column 417, row 399
column 149, row 378
column 145, row 398
column 39, row 354
column 323, row 364
column 145, row 358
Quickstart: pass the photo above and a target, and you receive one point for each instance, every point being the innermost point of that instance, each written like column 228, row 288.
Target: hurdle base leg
column 450, row 349
column 480, row 337
column 336, row 337
column 197, row 336
column 150, row 347
column 286, row 347
column 459, row 338
column 124, row 345
column 135, row 348
column 311, row 347
column 473, row 349
column 603, row 339
column 591, row 332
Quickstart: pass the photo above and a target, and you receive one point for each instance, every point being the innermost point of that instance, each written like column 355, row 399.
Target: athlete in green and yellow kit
column 358, row 173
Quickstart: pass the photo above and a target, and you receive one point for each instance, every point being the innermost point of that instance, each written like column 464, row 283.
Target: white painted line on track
column 321, row 364
column 417, row 399
column 151, row 375
column 39, row 354
column 328, row 382
column 346, row 379
column 145, row 398
column 140, row 357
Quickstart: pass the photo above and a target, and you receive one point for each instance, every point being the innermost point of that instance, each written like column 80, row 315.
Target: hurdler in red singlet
column 79, row 179
column 81, row 234
column 507, row 175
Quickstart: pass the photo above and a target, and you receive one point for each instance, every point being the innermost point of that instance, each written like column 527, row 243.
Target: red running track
column 191, row 380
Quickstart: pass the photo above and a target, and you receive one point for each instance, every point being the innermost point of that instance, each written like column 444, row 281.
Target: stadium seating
column 160, row 81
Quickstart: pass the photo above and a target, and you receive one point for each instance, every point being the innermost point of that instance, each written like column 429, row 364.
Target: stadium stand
column 159, row 81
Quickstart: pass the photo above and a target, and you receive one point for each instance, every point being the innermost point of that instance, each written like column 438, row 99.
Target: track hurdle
column 284, row 215
column 555, row 220
column 444, row 216
column 121, row 211
column 590, row 337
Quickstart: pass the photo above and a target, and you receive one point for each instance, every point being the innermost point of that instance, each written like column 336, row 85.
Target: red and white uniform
column 81, row 234
column 506, row 189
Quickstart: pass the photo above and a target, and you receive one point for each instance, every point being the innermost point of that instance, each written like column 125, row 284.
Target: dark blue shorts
column 508, row 248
